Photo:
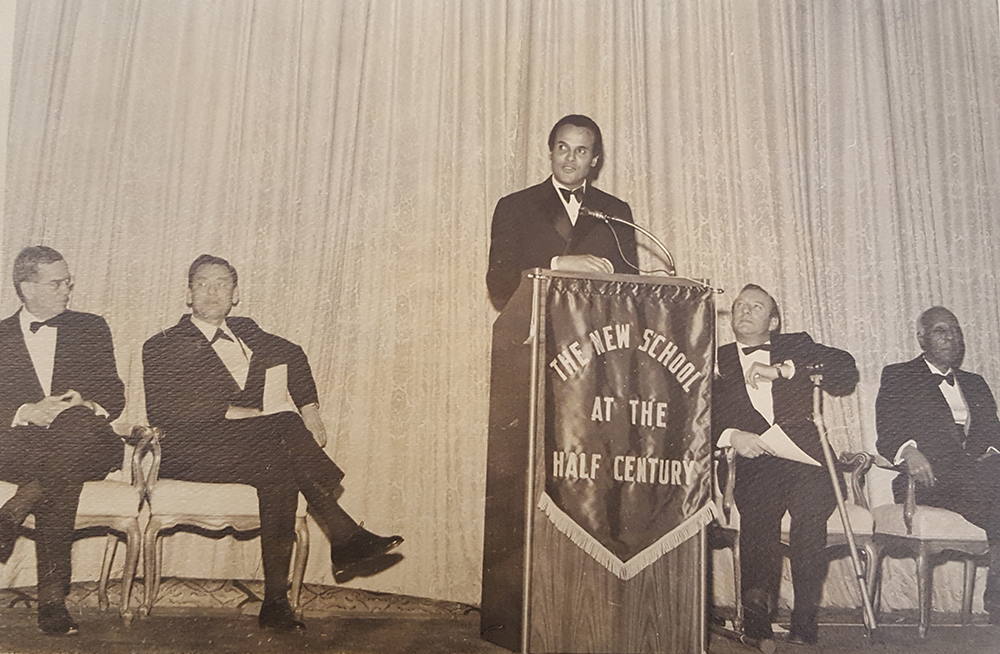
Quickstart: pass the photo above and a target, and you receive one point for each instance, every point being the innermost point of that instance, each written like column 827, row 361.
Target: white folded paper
column 276, row 396
column 783, row 446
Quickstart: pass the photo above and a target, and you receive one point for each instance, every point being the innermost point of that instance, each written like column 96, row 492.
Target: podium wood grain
column 578, row 606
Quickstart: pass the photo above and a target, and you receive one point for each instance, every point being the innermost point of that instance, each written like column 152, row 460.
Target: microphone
column 608, row 219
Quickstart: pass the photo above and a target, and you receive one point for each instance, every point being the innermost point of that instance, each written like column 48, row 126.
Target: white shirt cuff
column 726, row 438
column 18, row 420
column 898, row 458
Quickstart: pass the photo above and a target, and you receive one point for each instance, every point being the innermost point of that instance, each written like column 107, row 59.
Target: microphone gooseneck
column 600, row 215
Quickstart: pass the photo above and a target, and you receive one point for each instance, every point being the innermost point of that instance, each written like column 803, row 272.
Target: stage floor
column 220, row 616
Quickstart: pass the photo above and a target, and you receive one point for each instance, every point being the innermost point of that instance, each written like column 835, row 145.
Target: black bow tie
column 38, row 324
column 577, row 193
column 750, row 349
column 949, row 378
column 220, row 334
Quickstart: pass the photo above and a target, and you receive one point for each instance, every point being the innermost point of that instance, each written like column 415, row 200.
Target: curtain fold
column 346, row 157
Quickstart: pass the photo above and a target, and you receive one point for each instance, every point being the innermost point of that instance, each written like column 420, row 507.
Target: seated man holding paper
column 208, row 380
column 941, row 423
column 762, row 408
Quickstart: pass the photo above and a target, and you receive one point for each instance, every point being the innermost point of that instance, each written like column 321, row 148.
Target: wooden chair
column 112, row 505
column 923, row 533
column 176, row 505
column 854, row 467
column 724, row 531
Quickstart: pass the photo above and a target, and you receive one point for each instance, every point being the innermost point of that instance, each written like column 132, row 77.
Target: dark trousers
column 278, row 456
column 766, row 487
column 77, row 447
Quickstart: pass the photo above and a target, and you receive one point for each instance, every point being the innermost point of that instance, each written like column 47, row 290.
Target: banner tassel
column 621, row 569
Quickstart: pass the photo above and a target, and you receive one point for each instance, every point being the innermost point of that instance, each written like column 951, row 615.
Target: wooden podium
column 542, row 592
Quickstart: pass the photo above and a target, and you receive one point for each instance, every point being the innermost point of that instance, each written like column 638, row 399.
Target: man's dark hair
column 211, row 260
column 775, row 313
column 27, row 262
column 585, row 122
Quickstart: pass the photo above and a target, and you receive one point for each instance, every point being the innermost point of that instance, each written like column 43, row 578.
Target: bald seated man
column 941, row 423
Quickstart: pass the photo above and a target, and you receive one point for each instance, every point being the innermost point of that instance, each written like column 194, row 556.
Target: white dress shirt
column 956, row 402
column 41, row 347
column 761, row 397
column 573, row 205
column 235, row 354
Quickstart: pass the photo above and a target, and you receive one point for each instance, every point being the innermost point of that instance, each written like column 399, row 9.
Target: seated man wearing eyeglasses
column 59, row 389
column 205, row 381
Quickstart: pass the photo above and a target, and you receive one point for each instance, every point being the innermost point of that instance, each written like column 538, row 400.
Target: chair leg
column 923, row 589
column 132, row 546
column 737, row 585
column 151, row 564
column 969, row 580
column 300, row 559
column 110, row 546
column 873, row 575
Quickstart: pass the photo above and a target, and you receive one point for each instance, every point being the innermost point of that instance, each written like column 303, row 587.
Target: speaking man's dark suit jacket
column 910, row 406
column 78, row 446
column 767, row 486
column 531, row 226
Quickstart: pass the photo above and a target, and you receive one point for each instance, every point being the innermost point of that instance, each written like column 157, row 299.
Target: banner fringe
column 625, row 571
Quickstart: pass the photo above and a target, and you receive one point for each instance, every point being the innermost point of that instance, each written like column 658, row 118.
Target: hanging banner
column 628, row 422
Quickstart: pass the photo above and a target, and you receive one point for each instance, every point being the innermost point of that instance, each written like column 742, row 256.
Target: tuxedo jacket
column 188, row 387
column 532, row 226
column 84, row 362
column 792, row 398
column 910, row 406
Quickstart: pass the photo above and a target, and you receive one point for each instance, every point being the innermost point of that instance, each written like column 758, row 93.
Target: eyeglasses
column 56, row 284
column 216, row 285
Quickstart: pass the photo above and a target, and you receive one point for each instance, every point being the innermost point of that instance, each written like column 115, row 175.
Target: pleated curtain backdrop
column 346, row 157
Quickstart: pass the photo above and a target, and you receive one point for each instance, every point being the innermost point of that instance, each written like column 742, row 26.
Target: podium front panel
column 609, row 568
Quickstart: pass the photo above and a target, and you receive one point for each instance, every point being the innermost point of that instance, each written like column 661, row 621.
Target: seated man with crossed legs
column 204, row 380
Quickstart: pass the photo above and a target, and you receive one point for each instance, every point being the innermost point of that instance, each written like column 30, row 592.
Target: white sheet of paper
column 276, row 397
column 783, row 446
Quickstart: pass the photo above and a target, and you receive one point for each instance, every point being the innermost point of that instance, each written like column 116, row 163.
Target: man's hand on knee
column 918, row 466
column 750, row 445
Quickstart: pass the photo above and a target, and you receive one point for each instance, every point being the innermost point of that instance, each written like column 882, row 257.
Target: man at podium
column 762, row 408
column 549, row 225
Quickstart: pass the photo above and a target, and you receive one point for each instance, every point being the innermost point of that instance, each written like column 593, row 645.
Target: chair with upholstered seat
column 853, row 466
column 923, row 533
column 112, row 504
column 176, row 505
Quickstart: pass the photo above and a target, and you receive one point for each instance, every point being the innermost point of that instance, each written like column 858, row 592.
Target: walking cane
column 816, row 375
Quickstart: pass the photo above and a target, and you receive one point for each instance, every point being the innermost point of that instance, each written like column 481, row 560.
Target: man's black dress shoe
column 8, row 536
column 54, row 619
column 798, row 637
column 362, row 546
column 279, row 616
